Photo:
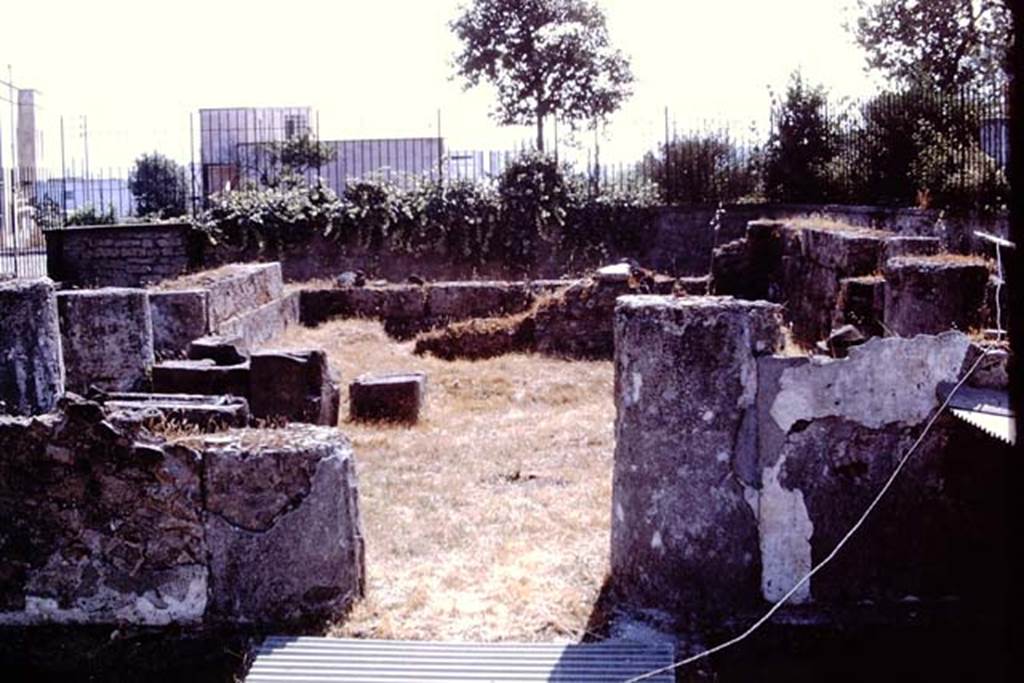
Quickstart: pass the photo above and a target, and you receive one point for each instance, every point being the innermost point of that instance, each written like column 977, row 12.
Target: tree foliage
column 159, row 186
column 703, row 168
column 545, row 58
column 300, row 154
column 801, row 146
column 939, row 43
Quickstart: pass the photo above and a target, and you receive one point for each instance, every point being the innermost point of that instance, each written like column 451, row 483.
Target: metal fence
column 909, row 148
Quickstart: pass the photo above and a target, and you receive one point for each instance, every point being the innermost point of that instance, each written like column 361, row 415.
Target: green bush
column 270, row 217
column 87, row 215
column 614, row 221
column 534, row 197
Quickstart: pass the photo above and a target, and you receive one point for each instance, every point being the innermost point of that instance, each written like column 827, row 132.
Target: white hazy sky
column 381, row 68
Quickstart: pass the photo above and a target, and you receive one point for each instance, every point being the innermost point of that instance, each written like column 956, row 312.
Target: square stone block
column 392, row 397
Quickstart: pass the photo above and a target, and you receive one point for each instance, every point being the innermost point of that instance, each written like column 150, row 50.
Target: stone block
column 107, row 338
column 293, row 385
column 221, row 350
column 684, row 535
column 931, row 294
column 241, row 287
column 179, row 316
column 31, row 363
column 208, row 413
column 282, row 525
column 849, row 251
column 201, row 377
column 99, row 528
column 259, row 325
column 394, row 397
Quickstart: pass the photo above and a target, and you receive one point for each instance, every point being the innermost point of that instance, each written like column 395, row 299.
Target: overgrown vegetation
column 88, row 215
column 536, row 204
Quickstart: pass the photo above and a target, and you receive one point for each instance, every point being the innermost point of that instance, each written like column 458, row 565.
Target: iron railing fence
column 906, row 148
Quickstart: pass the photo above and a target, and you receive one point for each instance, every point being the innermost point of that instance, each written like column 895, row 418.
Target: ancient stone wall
column 105, row 524
column 684, row 535
column 31, row 363
column 678, row 242
column 737, row 469
column 119, row 255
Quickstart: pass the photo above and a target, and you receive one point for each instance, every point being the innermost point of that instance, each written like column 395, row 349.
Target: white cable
column 814, row 570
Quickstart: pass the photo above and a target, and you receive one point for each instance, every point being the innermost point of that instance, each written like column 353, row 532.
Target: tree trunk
column 540, row 131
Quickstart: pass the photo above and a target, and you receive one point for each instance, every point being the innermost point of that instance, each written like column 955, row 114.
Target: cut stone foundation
column 31, row 364
column 106, row 338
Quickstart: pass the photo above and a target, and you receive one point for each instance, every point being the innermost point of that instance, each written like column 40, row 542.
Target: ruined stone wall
column 736, row 472
column 132, row 255
column 678, row 242
column 31, row 363
column 828, row 275
column 104, row 524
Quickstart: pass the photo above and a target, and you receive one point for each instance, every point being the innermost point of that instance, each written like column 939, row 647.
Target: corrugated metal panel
column 988, row 410
column 305, row 659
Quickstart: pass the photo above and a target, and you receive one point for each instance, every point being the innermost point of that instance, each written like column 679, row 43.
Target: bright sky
column 381, row 68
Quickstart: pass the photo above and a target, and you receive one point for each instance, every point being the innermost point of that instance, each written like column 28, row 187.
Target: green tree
column 159, row 186
column 545, row 57
column 938, row 43
column 703, row 168
column 800, row 149
column 300, row 154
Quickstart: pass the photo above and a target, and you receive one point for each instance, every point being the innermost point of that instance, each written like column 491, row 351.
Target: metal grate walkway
column 299, row 659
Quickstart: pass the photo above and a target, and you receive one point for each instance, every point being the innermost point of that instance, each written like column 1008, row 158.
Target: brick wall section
column 118, row 255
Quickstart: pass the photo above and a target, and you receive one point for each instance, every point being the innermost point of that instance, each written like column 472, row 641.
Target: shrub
column 159, row 186
column 87, row 215
column 373, row 211
column 800, row 149
column 704, row 168
column 270, row 217
column 614, row 221
column 459, row 218
column 534, row 198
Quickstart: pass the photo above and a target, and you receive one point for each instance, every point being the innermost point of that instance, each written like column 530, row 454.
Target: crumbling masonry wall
column 105, row 524
column 737, row 468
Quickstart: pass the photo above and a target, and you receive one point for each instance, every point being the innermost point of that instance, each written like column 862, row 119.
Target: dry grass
column 820, row 222
column 490, row 519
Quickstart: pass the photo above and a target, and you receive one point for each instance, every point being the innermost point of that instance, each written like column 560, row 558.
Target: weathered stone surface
column 234, row 289
column 179, row 316
column 31, row 364
column 396, row 397
column 692, row 286
column 830, row 434
column 259, row 325
column 208, row 413
column 931, row 294
column 730, row 269
column 861, row 302
column 107, row 338
column 847, row 250
column 97, row 526
column 683, row 533
column 294, row 385
column 220, row 349
column 577, row 321
column 201, row 377
column 910, row 245
column 282, row 525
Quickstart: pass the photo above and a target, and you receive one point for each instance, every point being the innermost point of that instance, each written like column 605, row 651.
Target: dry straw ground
column 490, row 519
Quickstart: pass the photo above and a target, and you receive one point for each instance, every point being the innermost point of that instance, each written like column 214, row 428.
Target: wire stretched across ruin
column 835, row 551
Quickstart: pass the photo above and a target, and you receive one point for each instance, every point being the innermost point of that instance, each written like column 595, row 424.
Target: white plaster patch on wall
column 110, row 606
column 620, row 515
column 785, row 531
column 753, row 498
column 656, row 543
column 885, row 380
